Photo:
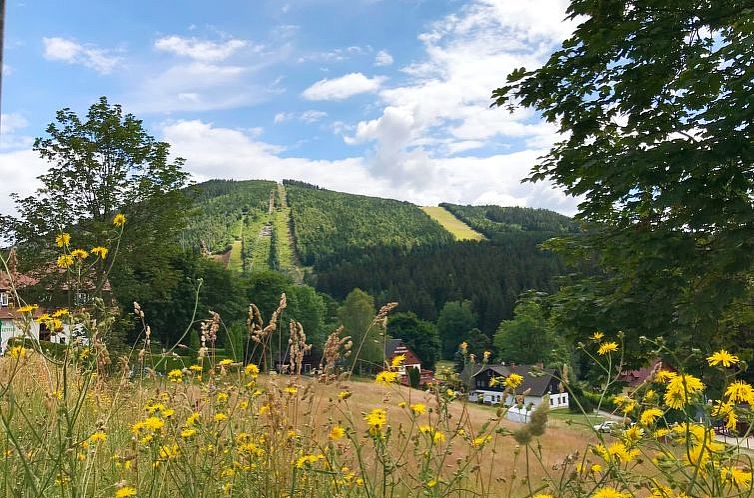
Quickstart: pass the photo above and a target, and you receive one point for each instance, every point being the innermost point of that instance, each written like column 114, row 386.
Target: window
column 3, row 299
column 81, row 298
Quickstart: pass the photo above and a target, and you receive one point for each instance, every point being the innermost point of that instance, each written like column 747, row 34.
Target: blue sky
column 380, row 97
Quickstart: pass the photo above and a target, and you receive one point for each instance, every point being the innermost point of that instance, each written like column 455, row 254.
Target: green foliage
column 329, row 226
column 224, row 209
column 356, row 315
column 414, row 378
column 529, row 338
column 656, row 118
column 456, row 319
column 308, row 308
column 100, row 165
column 419, row 335
column 477, row 343
column 490, row 275
column 171, row 314
column 578, row 402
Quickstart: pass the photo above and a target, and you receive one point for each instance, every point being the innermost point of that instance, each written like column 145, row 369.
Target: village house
column 539, row 385
column 15, row 288
column 396, row 347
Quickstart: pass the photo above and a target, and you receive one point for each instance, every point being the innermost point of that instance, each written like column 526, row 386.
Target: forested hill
column 329, row 224
column 389, row 248
column 496, row 221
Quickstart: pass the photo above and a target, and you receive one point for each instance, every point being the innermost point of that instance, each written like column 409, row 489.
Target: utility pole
column 2, row 51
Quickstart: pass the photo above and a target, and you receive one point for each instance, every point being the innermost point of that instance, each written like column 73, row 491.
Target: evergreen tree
column 420, row 335
column 455, row 321
column 357, row 315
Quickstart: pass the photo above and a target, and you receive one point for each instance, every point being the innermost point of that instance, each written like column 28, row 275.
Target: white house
column 16, row 324
column 538, row 385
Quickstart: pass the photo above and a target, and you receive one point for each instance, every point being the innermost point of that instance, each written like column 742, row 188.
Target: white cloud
column 12, row 122
column 200, row 50
column 342, row 88
column 72, row 52
column 383, row 58
column 196, row 86
column 18, row 174
column 240, row 155
column 309, row 117
column 443, row 106
column 312, row 116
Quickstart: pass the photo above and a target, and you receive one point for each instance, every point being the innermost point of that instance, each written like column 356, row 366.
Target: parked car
column 607, row 426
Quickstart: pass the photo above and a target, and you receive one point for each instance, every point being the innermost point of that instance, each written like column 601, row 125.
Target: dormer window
column 4, row 296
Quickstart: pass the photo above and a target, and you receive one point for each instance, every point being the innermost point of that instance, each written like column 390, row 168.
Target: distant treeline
column 422, row 280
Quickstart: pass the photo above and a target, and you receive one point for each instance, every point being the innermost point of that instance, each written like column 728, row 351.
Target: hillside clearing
column 459, row 229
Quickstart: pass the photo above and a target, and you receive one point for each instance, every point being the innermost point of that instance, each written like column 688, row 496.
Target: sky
column 379, row 97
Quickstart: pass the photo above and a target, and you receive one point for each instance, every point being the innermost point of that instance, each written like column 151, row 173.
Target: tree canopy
column 653, row 101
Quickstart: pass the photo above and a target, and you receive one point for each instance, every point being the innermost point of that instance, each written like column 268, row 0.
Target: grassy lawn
column 459, row 229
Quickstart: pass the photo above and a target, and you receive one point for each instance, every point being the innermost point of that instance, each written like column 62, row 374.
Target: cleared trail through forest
column 457, row 228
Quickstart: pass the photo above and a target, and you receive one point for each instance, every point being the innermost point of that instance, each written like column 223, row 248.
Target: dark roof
column 538, row 384
column 391, row 345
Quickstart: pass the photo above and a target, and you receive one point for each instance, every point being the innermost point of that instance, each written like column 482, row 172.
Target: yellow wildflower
column 386, row 377
column 740, row 478
column 100, row 251
column 513, row 381
column 723, row 358
column 63, row 240
column 252, row 369
column 376, row 419
column 607, row 347
column 398, row 360
column 225, row 362
column 309, row 460
column 739, row 391
column 649, row 416
column 119, row 220
column 28, row 308
column 609, row 493
column 65, row 261
column 597, row 336
column 187, row 433
column 481, row 441
column 169, row 452
column 680, row 388
column 79, row 253
column 418, row 408
column 61, row 313
column 98, row 437
column 125, row 492
column 18, row 352
column 220, row 417
column 192, row 419
column 344, row 394
column 664, row 376
column 291, row 390
column 175, row 375
column 222, row 397
column 337, row 432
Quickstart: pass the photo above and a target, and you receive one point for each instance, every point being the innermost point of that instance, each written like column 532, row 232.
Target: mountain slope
column 394, row 250
column 327, row 224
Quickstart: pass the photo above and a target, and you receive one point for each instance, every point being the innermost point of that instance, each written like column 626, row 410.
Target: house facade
column 396, row 347
column 538, row 386
column 13, row 287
